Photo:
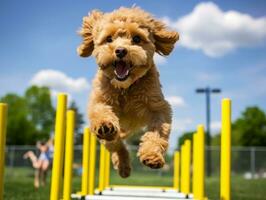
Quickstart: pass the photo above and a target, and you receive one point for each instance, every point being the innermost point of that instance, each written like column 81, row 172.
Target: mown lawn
column 19, row 185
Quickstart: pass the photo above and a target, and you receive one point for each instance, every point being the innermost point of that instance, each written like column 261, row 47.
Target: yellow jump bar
column 3, row 125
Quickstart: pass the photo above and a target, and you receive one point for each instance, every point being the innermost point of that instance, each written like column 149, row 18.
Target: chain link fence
column 248, row 162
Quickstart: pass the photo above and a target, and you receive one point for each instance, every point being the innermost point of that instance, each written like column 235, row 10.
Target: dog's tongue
column 121, row 69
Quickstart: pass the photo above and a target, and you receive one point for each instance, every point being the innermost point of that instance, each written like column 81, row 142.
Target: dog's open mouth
column 121, row 70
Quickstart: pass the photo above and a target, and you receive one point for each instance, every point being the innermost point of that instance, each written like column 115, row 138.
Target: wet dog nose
column 120, row 52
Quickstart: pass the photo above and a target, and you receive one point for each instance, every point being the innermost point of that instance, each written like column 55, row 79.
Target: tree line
column 248, row 130
column 31, row 116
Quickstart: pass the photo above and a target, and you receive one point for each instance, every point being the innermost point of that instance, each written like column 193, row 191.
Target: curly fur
column 118, row 108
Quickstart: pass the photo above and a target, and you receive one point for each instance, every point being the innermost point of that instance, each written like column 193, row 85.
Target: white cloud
column 58, row 81
column 203, row 76
column 215, row 126
column 159, row 60
column 181, row 125
column 176, row 101
column 217, row 32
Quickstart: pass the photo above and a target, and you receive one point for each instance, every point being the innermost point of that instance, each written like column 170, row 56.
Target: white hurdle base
column 130, row 193
column 103, row 197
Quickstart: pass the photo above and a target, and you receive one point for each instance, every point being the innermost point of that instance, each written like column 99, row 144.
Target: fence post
column 252, row 161
column 3, row 125
column 11, row 151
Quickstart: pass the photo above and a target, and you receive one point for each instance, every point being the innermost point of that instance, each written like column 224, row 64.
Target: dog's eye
column 109, row 39
column 136, row 39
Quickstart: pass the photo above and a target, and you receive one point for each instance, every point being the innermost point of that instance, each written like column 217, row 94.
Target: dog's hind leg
column 120, row 157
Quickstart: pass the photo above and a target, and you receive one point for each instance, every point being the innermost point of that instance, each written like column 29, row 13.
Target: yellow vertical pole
column 107, row 168
column 102, row 168
column 92, row 164
column 69, row 151
column 176, row 171
column 200, row 167
column 195, row 157
column 225, row 182
column 3, row 124
column 60, row 123
column 182, row 167
column 187, row 152
column 85, row 161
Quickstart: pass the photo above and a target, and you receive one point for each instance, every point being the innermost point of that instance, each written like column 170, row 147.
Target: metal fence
column 248, row 162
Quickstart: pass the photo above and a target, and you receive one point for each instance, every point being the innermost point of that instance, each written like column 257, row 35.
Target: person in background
column 50, row 144
column 42, row 163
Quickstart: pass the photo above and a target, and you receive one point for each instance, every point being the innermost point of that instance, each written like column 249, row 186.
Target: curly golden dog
column 126, row 95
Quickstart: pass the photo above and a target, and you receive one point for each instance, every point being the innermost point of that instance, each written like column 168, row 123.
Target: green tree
column 216, row 140
column 251, row 127
column 235, row 137
column 20, row 130
column 186, row 135
column 79, row 122
column 40, row 110
column 248, row 130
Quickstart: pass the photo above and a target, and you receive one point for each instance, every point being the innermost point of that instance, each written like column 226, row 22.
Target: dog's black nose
column 120, row 52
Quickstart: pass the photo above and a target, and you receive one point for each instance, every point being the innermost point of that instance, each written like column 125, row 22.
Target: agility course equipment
column 63, row 157
column 3, row 123
column 182, row 173
column 225, row 176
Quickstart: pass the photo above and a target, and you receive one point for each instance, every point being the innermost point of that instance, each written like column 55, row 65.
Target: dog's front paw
column 106, row 131
column 151, row 157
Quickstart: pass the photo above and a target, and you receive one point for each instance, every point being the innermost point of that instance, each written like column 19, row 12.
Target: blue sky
column 222, row 44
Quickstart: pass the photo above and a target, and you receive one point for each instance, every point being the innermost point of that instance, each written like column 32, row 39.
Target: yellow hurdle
column 176, row 171
column 199, row 192
column 186, row 167
column 85, row 162
column 195, row 164
column 69, row 151
column 225, row 182
column 3, row 124
column 102, row 167
column 107, row 169
column 182, row 168
column 60, row 123
column 92, row 164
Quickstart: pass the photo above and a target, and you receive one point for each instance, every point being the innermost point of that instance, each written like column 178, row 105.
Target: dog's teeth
column 121, row 76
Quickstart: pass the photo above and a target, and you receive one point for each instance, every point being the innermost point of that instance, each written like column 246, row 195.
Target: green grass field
column 19, row 185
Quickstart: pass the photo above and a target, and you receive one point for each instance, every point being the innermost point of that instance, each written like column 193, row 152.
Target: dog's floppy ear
column 86, row 48
column 164, row 39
